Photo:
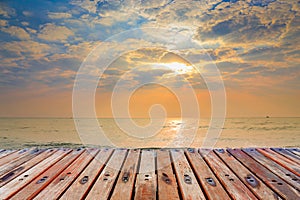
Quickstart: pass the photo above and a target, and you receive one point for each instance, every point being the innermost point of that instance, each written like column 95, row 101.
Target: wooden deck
column 150, row 174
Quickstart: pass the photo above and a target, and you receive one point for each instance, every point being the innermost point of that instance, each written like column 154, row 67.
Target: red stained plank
column 167, row 185
column 125, row 183
column 80, row 187
column 187, row 181
column 246, row 176
column 209, row 182
column 26, row 177
column 5, row 178
column 281, row 160
column 41, row 181
column 105, row 182
column 227, row 177
column 65, row 178
column 270, row 179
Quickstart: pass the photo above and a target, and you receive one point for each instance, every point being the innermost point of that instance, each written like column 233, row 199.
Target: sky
column 253, row 43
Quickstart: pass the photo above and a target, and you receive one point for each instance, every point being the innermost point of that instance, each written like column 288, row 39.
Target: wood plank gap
column 267, row 176
column 236, row 188
column 253, row 182
column 210, row 183
column 281, row 160
column 21, row 181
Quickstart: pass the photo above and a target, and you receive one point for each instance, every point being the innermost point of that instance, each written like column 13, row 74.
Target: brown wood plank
column 281, row 160
column 5, row 178
column 277, row 169
column 18, row 161
column 209, row 182
column 104, row 184
column 6, row 153
column 26, row 177
column 125, row 183
column 40, row 182
column 246, row 176
column 166, row 180
column 187, row 181
column 270, row 179
column 146, row 181
column 80, row 187
column 13, row 156
column 230, row 181
column 287, row 154
column 295, row 151
column 65, row 178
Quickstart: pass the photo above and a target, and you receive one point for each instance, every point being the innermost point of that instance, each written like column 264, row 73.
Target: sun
column 177, row 67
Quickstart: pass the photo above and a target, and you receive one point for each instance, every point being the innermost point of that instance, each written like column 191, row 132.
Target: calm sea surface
column 237, row 132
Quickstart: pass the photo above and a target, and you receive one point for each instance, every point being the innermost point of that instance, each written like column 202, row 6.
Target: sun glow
column 178, row 68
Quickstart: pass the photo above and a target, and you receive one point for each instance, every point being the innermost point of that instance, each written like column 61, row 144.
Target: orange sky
column 255, row 46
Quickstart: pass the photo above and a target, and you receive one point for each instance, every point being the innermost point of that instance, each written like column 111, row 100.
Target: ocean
column 18, row 133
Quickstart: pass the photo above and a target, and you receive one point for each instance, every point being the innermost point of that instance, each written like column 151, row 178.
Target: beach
column 18, row 133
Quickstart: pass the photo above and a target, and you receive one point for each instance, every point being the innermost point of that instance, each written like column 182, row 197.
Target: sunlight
column 178, row 68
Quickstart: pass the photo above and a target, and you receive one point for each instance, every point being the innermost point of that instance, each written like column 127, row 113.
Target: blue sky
column 254, row 43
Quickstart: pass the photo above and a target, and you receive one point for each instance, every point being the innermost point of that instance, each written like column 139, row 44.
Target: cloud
column 28, row 48
column 54, row 33
column 53, row 15
column 16, row 31
column 27, row 13
column 6, row 11
column 3, row 22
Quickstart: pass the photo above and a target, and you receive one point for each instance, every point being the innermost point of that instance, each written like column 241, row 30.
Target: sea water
column 175, row 132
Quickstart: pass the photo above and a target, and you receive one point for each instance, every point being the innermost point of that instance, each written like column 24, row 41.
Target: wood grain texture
column 140, row 174
column 277, row 169
column 105, row 182
column 227, row 177
column 273, row 181
column 125, row 183
column 246, row 176
column 80, row 187
column 166, row 180
column 188, row 184
column 211, row 185
column 146, row 181
column 26, row 177
column 5, row 178
column 42, row 180
column 66, row 177
column 281, row 160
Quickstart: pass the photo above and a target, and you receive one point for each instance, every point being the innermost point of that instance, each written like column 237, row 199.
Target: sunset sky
column 254, row 43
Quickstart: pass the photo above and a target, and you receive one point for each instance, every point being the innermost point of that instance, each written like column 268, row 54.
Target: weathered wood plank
column 41, row 181
column 287, row 154
column 294, row 151
column 246, row 176
column 66, row 177
column 277, row 169
column 18, row 161
column 25, row 166
column 281, row 160
column 80, row 187
column 270, row 179
column 5, row 153
column 187, row 181
column 146, row 181
column 125, row 183
column 13, row 156
column 166, row 180
column 230, row 181
column 104, row 184
column 26, row 177
column 208, row 180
